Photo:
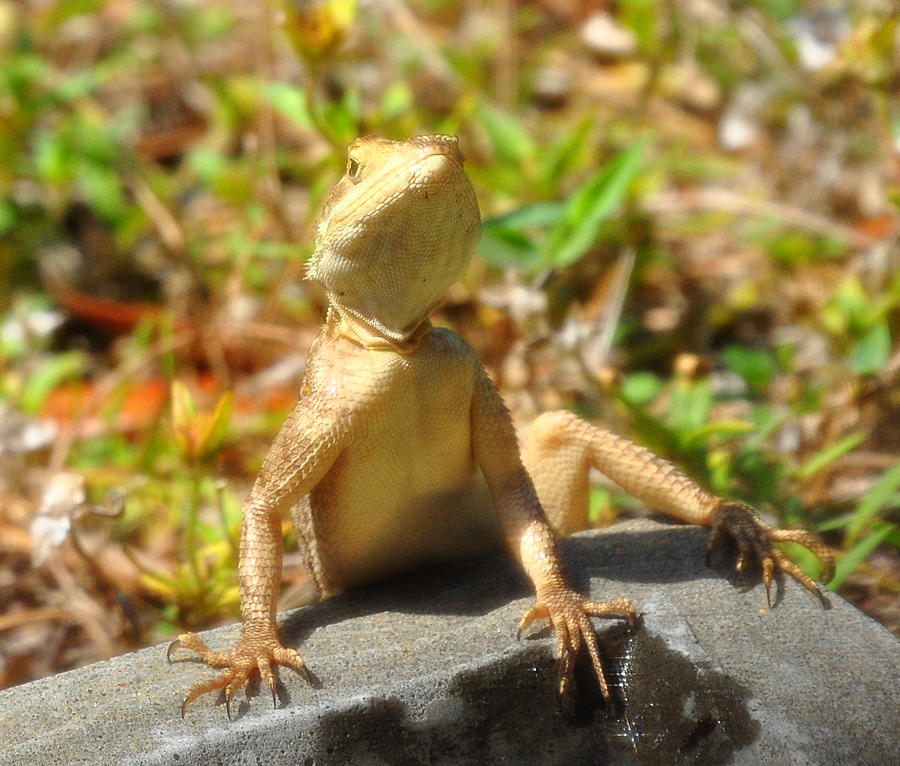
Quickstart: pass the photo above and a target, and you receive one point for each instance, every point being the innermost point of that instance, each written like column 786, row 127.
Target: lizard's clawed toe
column 570, row 615
column 203, row 687
column 755, row 538
column 253, row 653
column 193, row 643
column 539, row 612
column 617, row 607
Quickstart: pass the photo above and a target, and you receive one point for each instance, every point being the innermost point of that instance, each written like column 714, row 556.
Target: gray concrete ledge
column 427, row 670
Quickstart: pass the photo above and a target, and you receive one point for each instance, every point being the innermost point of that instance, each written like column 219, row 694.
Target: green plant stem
column 193, row 519
column 220, row 505
column 316, row 108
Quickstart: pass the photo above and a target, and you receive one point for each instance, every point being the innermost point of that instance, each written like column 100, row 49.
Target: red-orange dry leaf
column 138, row 410
column 877, row 226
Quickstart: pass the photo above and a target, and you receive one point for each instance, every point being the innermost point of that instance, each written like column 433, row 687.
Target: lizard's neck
column 343, row 324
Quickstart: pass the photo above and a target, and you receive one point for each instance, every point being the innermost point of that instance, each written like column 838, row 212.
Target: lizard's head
column 396, row 231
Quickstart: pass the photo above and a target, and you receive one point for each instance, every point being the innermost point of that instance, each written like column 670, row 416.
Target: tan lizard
column 400, row 452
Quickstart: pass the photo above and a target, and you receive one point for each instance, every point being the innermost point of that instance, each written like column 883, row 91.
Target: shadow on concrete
column 668, row 712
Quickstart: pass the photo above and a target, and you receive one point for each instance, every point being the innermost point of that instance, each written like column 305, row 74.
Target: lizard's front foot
column 255, row 650
column 755, row 538
column 570, row 614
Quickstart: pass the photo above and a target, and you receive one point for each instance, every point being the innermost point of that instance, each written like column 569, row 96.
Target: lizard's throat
column 343, row 322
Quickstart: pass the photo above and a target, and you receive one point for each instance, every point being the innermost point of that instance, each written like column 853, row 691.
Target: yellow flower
column 317, row 28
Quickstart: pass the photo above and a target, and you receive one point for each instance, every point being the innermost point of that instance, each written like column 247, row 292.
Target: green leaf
column 58, row 368
column 216, row 428
column 209, row 24
column 102, row 187
column 343, row 117
column 590, row 206
column 511, row 143
column 506, row 240
column 640, row 388
column 719, row 469
column 23, row 72
column 53, row 158
column 853, row 304
column 531, row 216
column 859, row 552
column 599, row 498
column 66, row 9
column 836, row 522
column 872, row 350
column 397, row 101
column 828, row 455
column 766, row 421
column 782, row 10
column 561, row 157
column 691, row 402
column 794, row 248
column 873, row 501
column 291, row 102
column 76, row 86
column 755, row 366
column 507, row 247
column 206, row 163
column 9, row 216
column 653, row 432
column 725, row 429
column 643, row 17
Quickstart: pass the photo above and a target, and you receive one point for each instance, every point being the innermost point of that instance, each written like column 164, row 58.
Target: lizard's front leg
column 560, row 448
column 303, row 451
column 569, row 612
column 258, row 648
column 530, row 537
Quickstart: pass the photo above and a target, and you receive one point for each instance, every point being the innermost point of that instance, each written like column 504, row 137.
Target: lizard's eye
column 353, row 168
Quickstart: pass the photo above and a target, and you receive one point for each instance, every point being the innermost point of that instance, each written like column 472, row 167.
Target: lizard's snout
column 447, row 146
column 437, row 168
column 441, row 170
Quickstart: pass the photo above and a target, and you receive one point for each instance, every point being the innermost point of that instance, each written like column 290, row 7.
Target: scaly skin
column 400, row 452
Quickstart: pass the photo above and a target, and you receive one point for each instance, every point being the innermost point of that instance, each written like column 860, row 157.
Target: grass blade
column 590, row 206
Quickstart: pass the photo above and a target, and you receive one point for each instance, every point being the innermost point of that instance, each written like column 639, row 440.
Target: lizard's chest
column 405, row 493
column 415, row 440
column 422, row 426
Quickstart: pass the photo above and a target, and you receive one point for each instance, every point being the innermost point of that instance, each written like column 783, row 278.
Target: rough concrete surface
column 427, row 669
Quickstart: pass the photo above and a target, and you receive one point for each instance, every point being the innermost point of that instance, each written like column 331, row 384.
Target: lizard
column 401, row 453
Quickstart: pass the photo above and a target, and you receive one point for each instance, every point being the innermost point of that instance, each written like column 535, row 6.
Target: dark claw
column 174, row 646
column 274, row 700
column 769, row 594
column 228, row 706
column 183, row 707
